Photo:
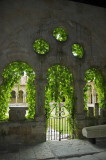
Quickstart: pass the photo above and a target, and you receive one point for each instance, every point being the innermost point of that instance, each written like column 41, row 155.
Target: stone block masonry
column 22, row 132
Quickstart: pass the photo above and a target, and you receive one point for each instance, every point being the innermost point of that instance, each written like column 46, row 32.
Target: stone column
column 95, row 101
column 79, row 104
column 79, row 94
column 102, row 119
column 24, row 97
column 93, row 94
column 103, row 111
column 96, row 109
column 16, row 97
column 40, row 96
column 40, row 110
column 104, row 79
column 90, row 112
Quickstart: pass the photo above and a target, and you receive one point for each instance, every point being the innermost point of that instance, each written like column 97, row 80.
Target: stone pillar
column 40, row 96
column 80, row 114
column 79, row 94
column 103, row 113
column 96, row 109
column 16, row 97
column 102, row 119
column 104, row 80
column 90, row 112
column 93, row 93
column 24, row 97
column 40, row 110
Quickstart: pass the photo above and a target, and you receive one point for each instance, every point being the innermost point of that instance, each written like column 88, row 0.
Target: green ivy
column 60, row 34
column 94, row 75
column 40, row 46
column 59, row 89
column 12, row 75
column 77, row 50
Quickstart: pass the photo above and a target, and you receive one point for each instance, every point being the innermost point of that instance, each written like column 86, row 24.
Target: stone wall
column 22, row 132
column 23, row 21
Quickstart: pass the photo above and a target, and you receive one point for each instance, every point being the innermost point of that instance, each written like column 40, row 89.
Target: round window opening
column 60, row 34
column 41, row 46
column 77, row 50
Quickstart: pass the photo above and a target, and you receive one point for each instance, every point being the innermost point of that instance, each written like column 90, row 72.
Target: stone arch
column 18, row 56
column 94, row 78
column 19, row 94
column 60, row 90
column 13, row 97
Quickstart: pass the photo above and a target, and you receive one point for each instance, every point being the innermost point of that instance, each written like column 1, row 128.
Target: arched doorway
column 12, row 76
column 94, row 91
column 59, row 103
column 13, row 97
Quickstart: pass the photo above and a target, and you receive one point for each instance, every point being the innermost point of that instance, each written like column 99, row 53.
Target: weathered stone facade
column 22, row 22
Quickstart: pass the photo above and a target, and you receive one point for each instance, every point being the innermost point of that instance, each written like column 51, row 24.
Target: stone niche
column 17, row 113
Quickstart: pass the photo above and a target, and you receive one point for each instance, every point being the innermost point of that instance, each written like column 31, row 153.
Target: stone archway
column 59, row 105
column 12, row 80
column 13, row 97
column 94, row 95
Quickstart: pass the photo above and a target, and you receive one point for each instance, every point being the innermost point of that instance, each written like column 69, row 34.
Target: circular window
column 40, row 46
column 60, row 34
column 77, row 50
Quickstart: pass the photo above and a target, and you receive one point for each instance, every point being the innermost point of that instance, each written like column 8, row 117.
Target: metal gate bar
column 58, row 123
column 58, row 128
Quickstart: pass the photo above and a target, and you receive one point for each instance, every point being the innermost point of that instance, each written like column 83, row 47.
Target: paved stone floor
column 55, row 150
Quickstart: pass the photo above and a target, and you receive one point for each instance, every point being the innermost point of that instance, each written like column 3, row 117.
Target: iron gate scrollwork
column 58, row 123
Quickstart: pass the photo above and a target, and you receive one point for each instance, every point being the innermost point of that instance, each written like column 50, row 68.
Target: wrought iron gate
column 58, row 124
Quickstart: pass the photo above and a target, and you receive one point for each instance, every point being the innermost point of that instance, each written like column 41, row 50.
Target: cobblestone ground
column 55, row 150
